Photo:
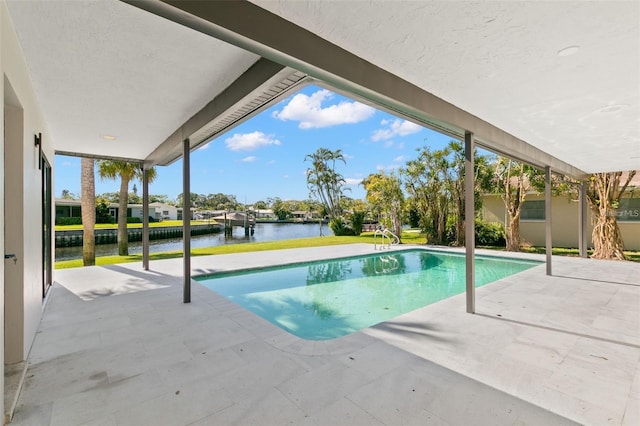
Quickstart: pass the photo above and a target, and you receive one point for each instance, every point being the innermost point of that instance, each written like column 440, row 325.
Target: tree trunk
column 603, row 194
column 123, row 238
column 512, row 233
column 460, row 223
column 397, row 225
column 88, row 206
column 607, row 241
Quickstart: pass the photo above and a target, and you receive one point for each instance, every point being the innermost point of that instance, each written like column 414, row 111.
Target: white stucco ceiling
column 504, row 62
column 107, row 68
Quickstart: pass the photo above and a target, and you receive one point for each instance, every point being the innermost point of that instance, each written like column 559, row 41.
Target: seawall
column 110, row 236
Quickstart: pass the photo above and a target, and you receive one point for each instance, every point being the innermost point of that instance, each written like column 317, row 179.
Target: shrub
column 357, row 219
column 339, row 227
column 489, row 234
column 68, row 221
column 134, row 220
column 102, row 213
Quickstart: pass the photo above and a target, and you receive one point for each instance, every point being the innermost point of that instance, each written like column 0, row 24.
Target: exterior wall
column 3, row 13
column 564, row 223
column 160, row 209
column 23, row 216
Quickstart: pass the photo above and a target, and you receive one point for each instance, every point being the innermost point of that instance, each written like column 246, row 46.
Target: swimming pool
column 328, row 299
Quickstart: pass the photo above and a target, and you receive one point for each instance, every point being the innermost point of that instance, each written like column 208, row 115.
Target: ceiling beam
column 257, row 30
column 254, row 87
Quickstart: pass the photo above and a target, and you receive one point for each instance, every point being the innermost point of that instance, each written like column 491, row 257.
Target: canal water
column 263, row 232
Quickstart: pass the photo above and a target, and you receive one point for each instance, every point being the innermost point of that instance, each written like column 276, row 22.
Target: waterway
column 263, row 232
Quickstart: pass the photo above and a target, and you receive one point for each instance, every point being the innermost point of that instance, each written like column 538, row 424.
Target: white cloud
column 400, row 159
column 203, row 147
column 271, row 162
column 309, row 112
column 249, row 159
column 394, row 128
column 67, row 164
column 250, row 141
column 353, row 181
column 286, row 176
column 348, row 156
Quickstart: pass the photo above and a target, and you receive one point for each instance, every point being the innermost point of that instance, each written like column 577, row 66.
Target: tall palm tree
column 88, row 208
column 114, row 169
column 324, row 182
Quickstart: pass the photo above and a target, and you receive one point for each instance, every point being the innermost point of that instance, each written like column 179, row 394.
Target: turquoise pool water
column 333, row 298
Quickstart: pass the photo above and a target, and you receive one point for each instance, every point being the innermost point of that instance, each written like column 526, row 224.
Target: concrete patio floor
column 116, row 346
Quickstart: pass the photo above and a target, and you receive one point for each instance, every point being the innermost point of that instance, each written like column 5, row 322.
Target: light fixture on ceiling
column 568, row 51
column 109, row 137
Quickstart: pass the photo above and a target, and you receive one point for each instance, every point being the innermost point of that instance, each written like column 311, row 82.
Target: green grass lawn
column 367, row 237
column 633, row 256
column 132, row 225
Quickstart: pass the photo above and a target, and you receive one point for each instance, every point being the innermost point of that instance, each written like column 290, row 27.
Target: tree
column 281, row 209
column 482, row 183
column 603, row 195
column 260, row 205
column 110, row 197
column 134, row 198
column 513, row 180
column 164, row 199
column 385, row 192
column 68, row 195
column 126, row 172
column 324, row 182
column 87, row 205
column 427, row 181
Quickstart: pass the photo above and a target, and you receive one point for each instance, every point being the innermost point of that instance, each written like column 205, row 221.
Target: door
column 47, row 249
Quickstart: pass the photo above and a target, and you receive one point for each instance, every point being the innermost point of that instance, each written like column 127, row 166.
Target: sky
column 265, row 156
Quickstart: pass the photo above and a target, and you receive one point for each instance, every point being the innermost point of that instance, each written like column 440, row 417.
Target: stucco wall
column 22, row 197
column 564, row 223
column 2, row 18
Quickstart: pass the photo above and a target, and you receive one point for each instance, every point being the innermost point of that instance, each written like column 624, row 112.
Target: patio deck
column 117, row 347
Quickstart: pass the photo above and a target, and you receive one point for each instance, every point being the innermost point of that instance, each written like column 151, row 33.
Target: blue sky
column 264, row 157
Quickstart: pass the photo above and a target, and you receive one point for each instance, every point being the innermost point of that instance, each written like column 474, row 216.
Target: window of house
column 532, row 210
column 165, row 212
column 629, row 210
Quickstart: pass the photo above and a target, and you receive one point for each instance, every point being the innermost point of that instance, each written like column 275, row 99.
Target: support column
column 186, row 220
column 469, row 222
column 547, row 215
column 145, row 218
column 582, row 219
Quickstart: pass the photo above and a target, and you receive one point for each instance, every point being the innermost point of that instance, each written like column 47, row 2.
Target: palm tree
column 324, row 182
column 88, row 208
column 114, row 169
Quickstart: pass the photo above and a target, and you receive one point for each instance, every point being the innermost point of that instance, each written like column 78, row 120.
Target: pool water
column 333, row 298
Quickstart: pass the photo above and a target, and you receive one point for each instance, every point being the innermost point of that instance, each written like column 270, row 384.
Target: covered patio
column 117, row 347
column 554, row 84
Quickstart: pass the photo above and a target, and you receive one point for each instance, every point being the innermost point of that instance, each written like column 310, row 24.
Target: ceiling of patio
column 562, row 76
